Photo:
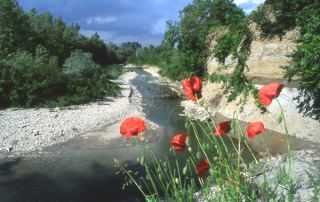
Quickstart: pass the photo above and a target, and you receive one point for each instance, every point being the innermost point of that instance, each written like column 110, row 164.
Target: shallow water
column 82, row 169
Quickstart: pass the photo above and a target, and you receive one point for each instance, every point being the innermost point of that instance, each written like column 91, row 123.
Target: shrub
column 28, row 80
column 80, row 64
column 306, row 63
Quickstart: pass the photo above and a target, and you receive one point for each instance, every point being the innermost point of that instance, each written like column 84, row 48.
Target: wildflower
column 178, row 142
column 223, row 128
column 192, row 88
column 132, row 126
column 202, row 167
column 255, row 128
column 269, row 92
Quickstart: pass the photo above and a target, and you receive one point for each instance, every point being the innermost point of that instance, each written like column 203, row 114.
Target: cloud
column 120, row 20
column 239, row 2
column 248, row 5
column 100, row 20
column 116, row 21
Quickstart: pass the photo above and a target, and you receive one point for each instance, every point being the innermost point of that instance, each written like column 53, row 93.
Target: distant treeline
column 45, row 62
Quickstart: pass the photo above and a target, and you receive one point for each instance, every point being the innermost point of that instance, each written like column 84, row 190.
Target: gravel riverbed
column 24, row 130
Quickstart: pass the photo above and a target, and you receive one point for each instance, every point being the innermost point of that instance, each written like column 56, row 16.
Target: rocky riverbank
column 24, row 130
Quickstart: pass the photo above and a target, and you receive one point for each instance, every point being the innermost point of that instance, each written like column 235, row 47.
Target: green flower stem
column 158, row 166
column 178, row 169
column 133, row 180
column 287, row 137
column 199, row 143
column 245, row 142
column 214, row 141
column 154, row 186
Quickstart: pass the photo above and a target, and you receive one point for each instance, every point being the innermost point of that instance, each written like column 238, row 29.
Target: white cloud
column 258, row 1
column 239, row 2
column 100, row 20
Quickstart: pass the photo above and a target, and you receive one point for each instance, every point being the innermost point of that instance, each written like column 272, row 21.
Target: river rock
column 298, row 125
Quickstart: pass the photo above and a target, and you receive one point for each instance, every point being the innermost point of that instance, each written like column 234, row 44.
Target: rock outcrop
column 266, row 61
column 267, row 58
column 298, row 125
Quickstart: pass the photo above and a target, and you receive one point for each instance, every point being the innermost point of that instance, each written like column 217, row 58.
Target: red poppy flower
column 132, row 126
column 178, row 142
column 192, row 88
column 268, row 92
column 222, row 128
column 202, row 167
column 255, row 128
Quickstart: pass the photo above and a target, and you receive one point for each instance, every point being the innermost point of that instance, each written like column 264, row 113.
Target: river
column 82, row 168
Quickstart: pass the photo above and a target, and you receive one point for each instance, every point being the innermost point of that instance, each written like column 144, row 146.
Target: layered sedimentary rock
column 267, row 58
column 265, row 63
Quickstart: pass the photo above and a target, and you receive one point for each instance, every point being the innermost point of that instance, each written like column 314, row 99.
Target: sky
column 119, row 21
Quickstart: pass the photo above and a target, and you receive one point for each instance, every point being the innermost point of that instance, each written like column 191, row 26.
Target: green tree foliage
column 184, row 47
column 197, row 20
column 304, row 14
column 43, row 61
column 128, row 50
column 80, row 64
column 15, row 31
column 305, row 65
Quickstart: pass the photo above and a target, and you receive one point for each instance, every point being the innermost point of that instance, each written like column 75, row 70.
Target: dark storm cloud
column 119, row 21
column 116, row 21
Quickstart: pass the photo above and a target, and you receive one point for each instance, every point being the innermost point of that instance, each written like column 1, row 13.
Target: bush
column 28, row 80
column 306, row 63
column 80, row 64
column 33, row 48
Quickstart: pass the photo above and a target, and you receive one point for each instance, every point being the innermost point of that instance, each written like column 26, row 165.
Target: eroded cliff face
column 266, row 61
column 267, row 58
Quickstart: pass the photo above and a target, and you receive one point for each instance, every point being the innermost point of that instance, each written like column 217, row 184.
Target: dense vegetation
column 44, row 62
column 304, row 14
column 184, row 48
column 288, row 15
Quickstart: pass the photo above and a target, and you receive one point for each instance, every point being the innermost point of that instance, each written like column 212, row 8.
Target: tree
column 197, row 20
column 15, row 32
